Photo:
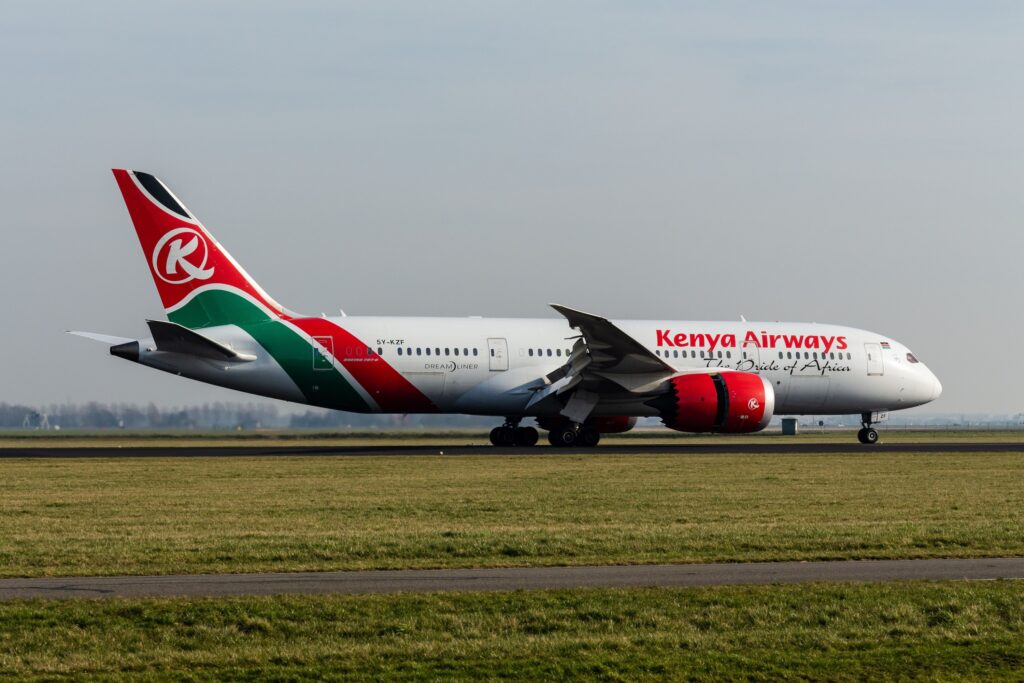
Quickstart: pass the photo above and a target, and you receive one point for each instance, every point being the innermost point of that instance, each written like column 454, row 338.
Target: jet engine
column 727, row 402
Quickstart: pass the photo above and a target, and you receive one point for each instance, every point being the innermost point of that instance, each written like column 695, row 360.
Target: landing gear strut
column 867, row 434
column 511, row 434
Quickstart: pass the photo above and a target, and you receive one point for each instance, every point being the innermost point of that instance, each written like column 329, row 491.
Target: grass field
column 141, row 516
column 935, row 631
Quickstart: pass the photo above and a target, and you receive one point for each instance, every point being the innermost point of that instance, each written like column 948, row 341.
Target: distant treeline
column 218, row 415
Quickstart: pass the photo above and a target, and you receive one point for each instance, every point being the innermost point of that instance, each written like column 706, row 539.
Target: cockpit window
column 911, row 358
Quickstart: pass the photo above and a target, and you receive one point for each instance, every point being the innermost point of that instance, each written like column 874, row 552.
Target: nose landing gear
column 867, row 435
column 511, row 434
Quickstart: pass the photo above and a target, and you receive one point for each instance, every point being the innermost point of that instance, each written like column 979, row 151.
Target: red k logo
column 180, row 256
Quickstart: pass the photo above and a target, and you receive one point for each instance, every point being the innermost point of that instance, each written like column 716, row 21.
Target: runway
column 435, row 580
column 766, row 448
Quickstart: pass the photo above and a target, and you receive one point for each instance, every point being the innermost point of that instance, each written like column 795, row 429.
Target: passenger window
column 380, row 351
column 530, row 352
column 719, row 354
column 848, row 356
column 456, row 350
column 675, row 354
column 437, row 351
column 399, row 350
column 780, row 355
column 558, row 352
column 465, row 351
column 419, row 351
column 702, row 353
column 728, row 354
column 789, row 355
column 549, row 352
column 427, row 350
column 447, row 351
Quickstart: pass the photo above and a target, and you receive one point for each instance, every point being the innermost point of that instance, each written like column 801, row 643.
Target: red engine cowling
column 728, row 402
column 612, row 424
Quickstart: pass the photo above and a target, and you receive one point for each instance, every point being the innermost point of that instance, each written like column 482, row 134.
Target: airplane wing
column 612, row 350
column 604, row 361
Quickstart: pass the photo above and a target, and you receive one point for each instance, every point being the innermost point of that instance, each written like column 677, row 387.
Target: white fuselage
column 486, row 365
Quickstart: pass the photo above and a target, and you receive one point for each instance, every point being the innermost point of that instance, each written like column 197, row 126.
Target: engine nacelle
column 611, row 424
column 728, row 402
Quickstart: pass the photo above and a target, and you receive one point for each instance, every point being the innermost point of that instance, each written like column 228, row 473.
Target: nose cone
column 936, row 385
column 918, row 385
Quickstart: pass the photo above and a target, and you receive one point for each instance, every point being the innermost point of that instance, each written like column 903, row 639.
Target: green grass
column 935, row 631
column 189, row 515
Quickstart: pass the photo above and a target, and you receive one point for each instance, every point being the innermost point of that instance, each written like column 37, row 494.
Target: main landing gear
column 566, row 434
column 571, row 434
column 511, row 434
column 867, row 435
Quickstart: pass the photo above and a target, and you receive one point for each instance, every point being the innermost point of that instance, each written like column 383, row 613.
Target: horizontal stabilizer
column 175, row 338
column 105, row 338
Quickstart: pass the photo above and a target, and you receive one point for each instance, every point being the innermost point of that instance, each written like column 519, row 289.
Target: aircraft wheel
column 563, row 436
column 526, row 436
column 502, row 436
column 867, row 436
column 588, row 437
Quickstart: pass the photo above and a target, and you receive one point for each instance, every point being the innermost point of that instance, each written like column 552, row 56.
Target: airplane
column 578, row 376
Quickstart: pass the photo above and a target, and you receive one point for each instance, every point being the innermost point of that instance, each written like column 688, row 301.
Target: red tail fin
column 183, row 257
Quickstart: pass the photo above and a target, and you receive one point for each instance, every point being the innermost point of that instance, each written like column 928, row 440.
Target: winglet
column 576, row 317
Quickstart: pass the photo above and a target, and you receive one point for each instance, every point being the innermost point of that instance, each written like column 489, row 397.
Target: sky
column 856, row 163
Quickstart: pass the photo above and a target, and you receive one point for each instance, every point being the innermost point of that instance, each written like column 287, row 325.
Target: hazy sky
column 857, row 163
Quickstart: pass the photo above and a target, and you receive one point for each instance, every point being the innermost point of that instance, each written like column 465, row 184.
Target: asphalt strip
column 525, row 578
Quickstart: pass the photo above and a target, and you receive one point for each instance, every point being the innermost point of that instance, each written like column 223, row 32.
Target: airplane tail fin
column 199, row 283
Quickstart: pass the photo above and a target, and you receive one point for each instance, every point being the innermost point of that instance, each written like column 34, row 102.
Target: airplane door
column 751, row 357
column 874, row 356
column 497, row 351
